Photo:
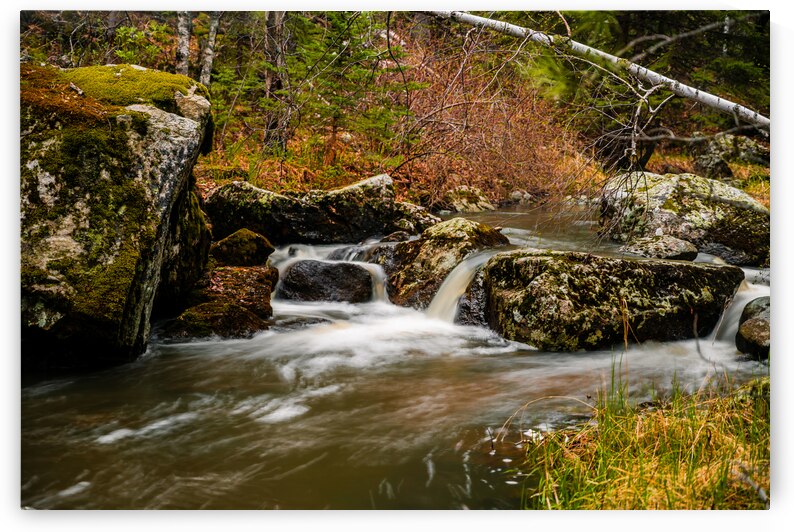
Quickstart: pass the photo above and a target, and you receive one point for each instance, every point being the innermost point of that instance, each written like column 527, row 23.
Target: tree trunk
column 640, row 72
column 209, row 50
column 183, row 43
column 277, row 129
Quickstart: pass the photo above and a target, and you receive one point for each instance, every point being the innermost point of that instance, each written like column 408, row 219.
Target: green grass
column 691, row 451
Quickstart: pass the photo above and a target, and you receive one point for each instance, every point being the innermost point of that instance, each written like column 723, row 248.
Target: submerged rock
column 416, row 269
column 566, row 301
column 314, row 280
column 466, row 199
column 716, row 218
column 348, row 214
column 242, row 248
column 753, row 335
column 662, row 247
column 108, row 214
column 231, row 301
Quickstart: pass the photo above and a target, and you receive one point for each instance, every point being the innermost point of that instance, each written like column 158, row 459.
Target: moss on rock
column 242, row 248
column 99, row 188
column 566, row 301
column 715, row 217
column 345, row 215
column 416, row 268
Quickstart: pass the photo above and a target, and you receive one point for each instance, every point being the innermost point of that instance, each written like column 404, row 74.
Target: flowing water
column 341, row 405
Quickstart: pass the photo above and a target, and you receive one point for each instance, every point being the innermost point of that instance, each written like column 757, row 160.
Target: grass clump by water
column 691, row 451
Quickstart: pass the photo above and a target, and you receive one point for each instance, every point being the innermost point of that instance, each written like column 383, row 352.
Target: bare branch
column 638, row 71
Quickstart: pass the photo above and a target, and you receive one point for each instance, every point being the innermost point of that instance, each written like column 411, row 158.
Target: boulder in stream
column 109, row 217
column 344, row 215
column 753, row 335
column 716, row 218
column 314, row 280
column 242, row 248
column 416, row 269
column 230, row 301
column 466, row 199
column 566, row 301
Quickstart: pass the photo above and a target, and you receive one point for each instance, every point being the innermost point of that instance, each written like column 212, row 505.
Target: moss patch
column 124, row 85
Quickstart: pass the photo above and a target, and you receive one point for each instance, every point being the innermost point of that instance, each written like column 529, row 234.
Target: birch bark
column 638, row 71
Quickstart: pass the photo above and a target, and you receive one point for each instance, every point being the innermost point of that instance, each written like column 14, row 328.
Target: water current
column 343, row 406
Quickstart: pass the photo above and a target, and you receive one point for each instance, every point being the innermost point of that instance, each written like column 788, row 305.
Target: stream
column 344, row 406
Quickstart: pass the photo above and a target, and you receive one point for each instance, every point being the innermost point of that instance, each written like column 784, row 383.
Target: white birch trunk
column 209, row 50
column 640, row 72
column 183, row 42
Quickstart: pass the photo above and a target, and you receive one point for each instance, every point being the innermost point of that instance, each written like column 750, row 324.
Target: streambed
column 342, row 406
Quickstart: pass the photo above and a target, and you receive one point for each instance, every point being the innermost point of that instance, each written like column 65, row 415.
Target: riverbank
column 691, row 451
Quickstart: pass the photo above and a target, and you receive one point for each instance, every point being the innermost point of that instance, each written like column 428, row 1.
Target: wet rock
column 220, row 317
column 231, row 301
column 108, row 214
column 314, row 280
column 716, row 218
column 662, row 247
column 466, row 199
column 753, row 335
column 242, row 248
column 566, row 301
column 397, row 236
column 416, row 269
column 185, row 254
column 348, row 214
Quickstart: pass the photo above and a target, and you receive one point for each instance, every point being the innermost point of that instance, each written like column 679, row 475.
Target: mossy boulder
column 344, row 215
column 242, row 248
column 567, row 301
column 230, row 301
column 416, row 269
column 466, row 199
column 661, row 247
column 314, row 280
column 716, row 218
column 104, row 188
column 712, row 156
column 753, row 335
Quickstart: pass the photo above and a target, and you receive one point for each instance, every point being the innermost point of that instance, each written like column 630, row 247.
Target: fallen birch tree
column 578, row 49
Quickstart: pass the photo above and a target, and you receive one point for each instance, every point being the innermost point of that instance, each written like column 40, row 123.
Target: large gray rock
column 106, row 207
column 416, row 269
column 348, row 214
column 566, row 301
column 314, row 280
column 716, row 218
column 753, row 335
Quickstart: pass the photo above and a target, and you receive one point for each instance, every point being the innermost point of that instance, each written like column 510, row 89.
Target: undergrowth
column 703, row 450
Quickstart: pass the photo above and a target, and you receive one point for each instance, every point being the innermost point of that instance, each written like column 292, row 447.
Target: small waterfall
column 729, row 323
column 445, row 304
column 378, row 281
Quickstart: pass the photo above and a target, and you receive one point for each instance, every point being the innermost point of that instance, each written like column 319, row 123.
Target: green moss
column 124, row 85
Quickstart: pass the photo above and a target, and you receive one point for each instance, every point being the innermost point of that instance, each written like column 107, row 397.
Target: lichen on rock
column 716, row 218
column 415, row 269
column 344, row 215
column 100, row 187
column 566, row 301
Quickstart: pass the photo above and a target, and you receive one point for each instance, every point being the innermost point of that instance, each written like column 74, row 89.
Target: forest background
column 320, row 99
